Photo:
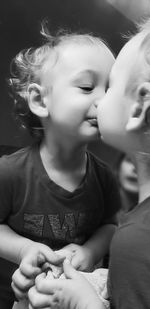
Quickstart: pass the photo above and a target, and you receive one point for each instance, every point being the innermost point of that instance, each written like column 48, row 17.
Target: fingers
column 51, row 257
column 22, row 281
column 69, row 271
column 20, row 284
column 44, row 284
column 75, row 262
column 35, row 257
column 39, row 300
column 18, row 293
column 28, row 269
column 66, row 252
column 31, row 265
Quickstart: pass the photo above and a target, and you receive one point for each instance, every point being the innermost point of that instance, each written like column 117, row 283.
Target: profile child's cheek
column 99, row 120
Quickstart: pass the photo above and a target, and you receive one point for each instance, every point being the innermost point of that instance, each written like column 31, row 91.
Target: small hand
column 81, row 257
column 75, row 292
column 32, row 258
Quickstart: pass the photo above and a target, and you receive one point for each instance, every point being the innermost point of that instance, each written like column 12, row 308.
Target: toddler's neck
column 65, row 169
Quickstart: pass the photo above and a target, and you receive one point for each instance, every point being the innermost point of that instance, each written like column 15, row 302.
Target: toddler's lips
column 93, row 122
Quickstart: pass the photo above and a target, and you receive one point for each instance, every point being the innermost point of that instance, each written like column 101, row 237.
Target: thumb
column 47, row 255
column 76, row 262
column 69, row 271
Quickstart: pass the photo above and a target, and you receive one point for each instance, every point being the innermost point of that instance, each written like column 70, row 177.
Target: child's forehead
column 78, row 56
column 133, row 49
column 71, row 49
column 130, row 51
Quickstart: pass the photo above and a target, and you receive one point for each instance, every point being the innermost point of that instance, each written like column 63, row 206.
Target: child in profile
column 55, row 194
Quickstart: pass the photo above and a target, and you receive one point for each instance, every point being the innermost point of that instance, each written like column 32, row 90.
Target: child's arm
column 99, row 243
column 11, row 244
column 29, row 255
column 75, row 292
column 16, row 248
column 92, row 251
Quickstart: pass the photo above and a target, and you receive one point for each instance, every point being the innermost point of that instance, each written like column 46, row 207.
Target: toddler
column 55, row 194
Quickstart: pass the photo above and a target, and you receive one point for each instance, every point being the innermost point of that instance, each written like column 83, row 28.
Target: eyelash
column 107, row 87
column 87, row 89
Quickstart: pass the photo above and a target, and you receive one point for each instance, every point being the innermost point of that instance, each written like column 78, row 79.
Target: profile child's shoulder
column 99, row 163
column 102, row 170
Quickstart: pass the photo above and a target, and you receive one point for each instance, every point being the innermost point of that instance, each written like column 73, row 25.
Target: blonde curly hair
column 27, row 66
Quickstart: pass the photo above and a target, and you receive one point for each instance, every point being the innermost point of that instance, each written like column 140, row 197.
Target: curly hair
column 26, row 68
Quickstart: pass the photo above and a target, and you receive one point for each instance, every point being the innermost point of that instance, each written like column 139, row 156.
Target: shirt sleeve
column 5, row 189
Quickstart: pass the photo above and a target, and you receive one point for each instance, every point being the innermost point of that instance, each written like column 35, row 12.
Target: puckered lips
column 92, row 121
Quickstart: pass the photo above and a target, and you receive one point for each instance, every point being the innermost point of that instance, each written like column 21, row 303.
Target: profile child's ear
column 145, row 48
column 36, row 101
column 140, row 111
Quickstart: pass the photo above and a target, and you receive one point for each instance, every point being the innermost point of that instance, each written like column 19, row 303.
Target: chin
column 92, row 134
column 114, row 140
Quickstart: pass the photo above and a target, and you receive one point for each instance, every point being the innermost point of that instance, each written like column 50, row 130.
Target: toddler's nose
column 96, row 102
column 98, row 98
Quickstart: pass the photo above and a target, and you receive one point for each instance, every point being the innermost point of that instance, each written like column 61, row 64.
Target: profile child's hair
column 27, row 66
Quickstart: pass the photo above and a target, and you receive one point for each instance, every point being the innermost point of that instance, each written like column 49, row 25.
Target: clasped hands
column 29, row 280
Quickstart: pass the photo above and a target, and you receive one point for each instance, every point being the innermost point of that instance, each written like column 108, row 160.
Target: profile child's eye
column 107, row 86
column 143, row 92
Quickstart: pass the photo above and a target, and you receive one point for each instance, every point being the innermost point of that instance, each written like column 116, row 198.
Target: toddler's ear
column 139, row 117
column 35, row 100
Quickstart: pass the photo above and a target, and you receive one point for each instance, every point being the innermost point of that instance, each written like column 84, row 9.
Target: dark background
column 19, row 28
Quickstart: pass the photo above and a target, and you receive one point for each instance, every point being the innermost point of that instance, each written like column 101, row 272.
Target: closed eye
column 107, row 86
column 86, row 88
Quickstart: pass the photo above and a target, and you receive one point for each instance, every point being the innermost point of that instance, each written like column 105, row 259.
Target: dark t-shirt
column 36, row 207
column 129, row 274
